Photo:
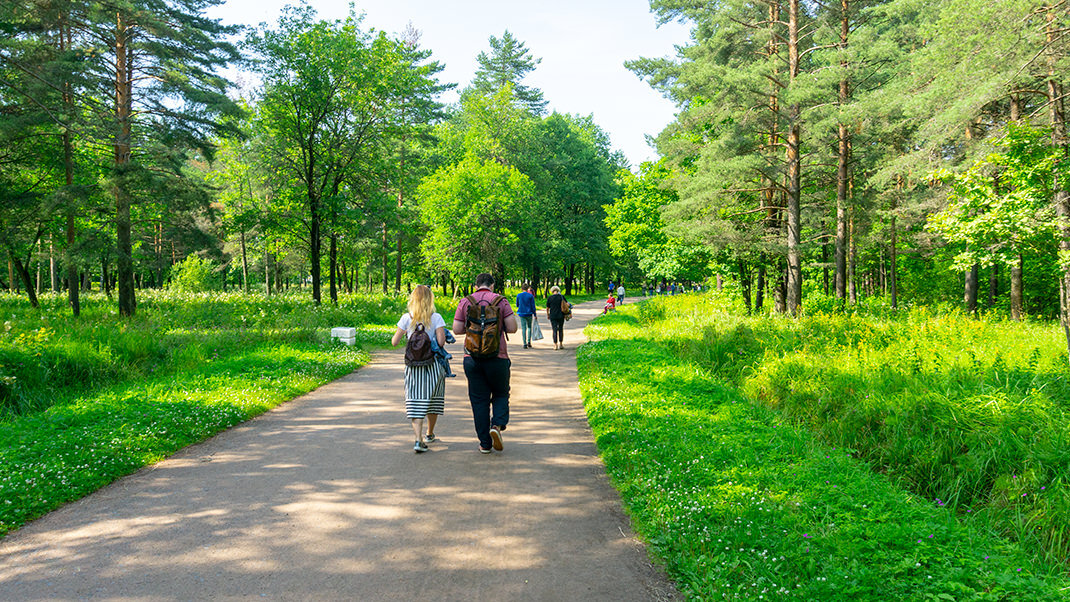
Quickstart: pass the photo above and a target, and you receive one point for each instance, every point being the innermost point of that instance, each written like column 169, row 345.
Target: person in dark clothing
column 555, row 313
column 488, row 377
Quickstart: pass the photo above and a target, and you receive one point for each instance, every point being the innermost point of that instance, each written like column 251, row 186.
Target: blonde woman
column 425, row 386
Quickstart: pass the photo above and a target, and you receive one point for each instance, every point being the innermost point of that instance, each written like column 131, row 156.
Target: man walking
column 525, row 308
column 484, row 318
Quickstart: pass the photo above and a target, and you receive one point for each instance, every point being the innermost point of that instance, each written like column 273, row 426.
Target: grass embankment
column 748, row 468
column 85, row 401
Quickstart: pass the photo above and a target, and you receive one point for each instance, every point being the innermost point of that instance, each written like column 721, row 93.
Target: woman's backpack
column 566, row 309
column 418, row 351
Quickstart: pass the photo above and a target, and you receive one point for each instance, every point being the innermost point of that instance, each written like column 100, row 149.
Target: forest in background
column 902, row 151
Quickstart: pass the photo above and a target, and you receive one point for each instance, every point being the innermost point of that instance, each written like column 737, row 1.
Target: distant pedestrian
column 525, row 310
column 555, row 312
column 620, row 295
column 425, row 385
column 485, row 317
column 611, row 287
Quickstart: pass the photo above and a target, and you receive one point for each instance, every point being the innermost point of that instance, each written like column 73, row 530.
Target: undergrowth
column 751, row 488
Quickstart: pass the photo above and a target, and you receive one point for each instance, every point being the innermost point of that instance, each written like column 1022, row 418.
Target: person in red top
column 488, row 378
column 611, row 305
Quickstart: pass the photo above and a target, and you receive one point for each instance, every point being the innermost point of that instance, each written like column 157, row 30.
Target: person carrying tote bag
column 556, row 306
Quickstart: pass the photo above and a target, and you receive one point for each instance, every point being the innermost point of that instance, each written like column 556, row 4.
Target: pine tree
column 509, row 62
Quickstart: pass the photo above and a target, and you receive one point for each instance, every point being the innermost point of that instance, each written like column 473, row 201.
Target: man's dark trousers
column 488, row 391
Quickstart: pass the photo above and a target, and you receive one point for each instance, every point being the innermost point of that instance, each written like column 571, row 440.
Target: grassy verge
column 85, row 401
column 973, row 415
column 742, row 504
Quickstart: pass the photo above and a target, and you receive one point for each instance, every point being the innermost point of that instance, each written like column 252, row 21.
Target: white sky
column 583, row 45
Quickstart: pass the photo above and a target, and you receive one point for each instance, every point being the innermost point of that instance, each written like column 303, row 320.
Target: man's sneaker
column 420, row 447
column 484, row 450
column 496, row 437
column 429, row 438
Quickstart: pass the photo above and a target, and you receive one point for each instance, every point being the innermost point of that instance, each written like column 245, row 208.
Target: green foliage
column 473, row 212
column 1000, row 207
column 637, row 231
column 193, row 275
column 507, row 64
column 742, row 504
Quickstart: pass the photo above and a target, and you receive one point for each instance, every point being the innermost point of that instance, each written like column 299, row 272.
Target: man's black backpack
column 418, row 350
column 483, row 327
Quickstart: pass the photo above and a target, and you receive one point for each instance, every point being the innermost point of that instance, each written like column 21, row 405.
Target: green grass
column 742, row 501
column 85, row 401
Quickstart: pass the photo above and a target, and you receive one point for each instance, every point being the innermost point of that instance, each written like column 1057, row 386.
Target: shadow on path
column 323, row 499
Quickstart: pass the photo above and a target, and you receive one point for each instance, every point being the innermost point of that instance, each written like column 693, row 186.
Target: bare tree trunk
column 969, row 297
column 993, row 285
column 1016, row 290
column 842, row 162
column 244, row 265
column 123, row 115
column 893, row 251
column 267, row 273
column 852, row 262
column 334, row 268
column 759, row 294
column 744, row 282
column 386, row 260
column 793, row 296
column 17, row 266
column 68, row 178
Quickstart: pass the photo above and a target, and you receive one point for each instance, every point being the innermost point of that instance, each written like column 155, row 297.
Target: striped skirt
column 425, row 390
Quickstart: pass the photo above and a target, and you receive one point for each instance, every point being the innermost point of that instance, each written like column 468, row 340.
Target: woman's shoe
column 420, row 447
column 429, row 437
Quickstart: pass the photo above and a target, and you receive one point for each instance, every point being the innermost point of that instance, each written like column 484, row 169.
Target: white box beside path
column 343, row 332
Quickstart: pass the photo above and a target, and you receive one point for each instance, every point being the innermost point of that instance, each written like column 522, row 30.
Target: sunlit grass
column 738, row 496
column 84, row 401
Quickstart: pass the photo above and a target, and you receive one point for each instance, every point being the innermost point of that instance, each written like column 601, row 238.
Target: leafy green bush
column 741, row 504
column 194, row 275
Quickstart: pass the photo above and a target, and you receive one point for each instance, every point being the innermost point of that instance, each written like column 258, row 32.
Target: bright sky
column 583, row 45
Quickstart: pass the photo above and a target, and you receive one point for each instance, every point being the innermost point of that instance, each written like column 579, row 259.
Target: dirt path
column 323, row 499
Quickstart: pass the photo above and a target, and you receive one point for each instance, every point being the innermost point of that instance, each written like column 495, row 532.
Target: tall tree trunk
column 68, row 178
column 852, row 261
column 123, row 116
column 24, row 275
column 993, row 285
column 969, row 297
column 267, row 273
column 744, row 283
column 825, row 266
column 843, row 158
column 52, row 275
column 334, row 268
column 386, row 260
column 244, row 265
column 316, row 248
column 759, row 286
column 893, row 249
column 793, row 297
column 1016, row 289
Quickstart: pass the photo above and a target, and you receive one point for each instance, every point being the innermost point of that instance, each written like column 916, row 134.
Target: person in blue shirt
column 525, row 309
